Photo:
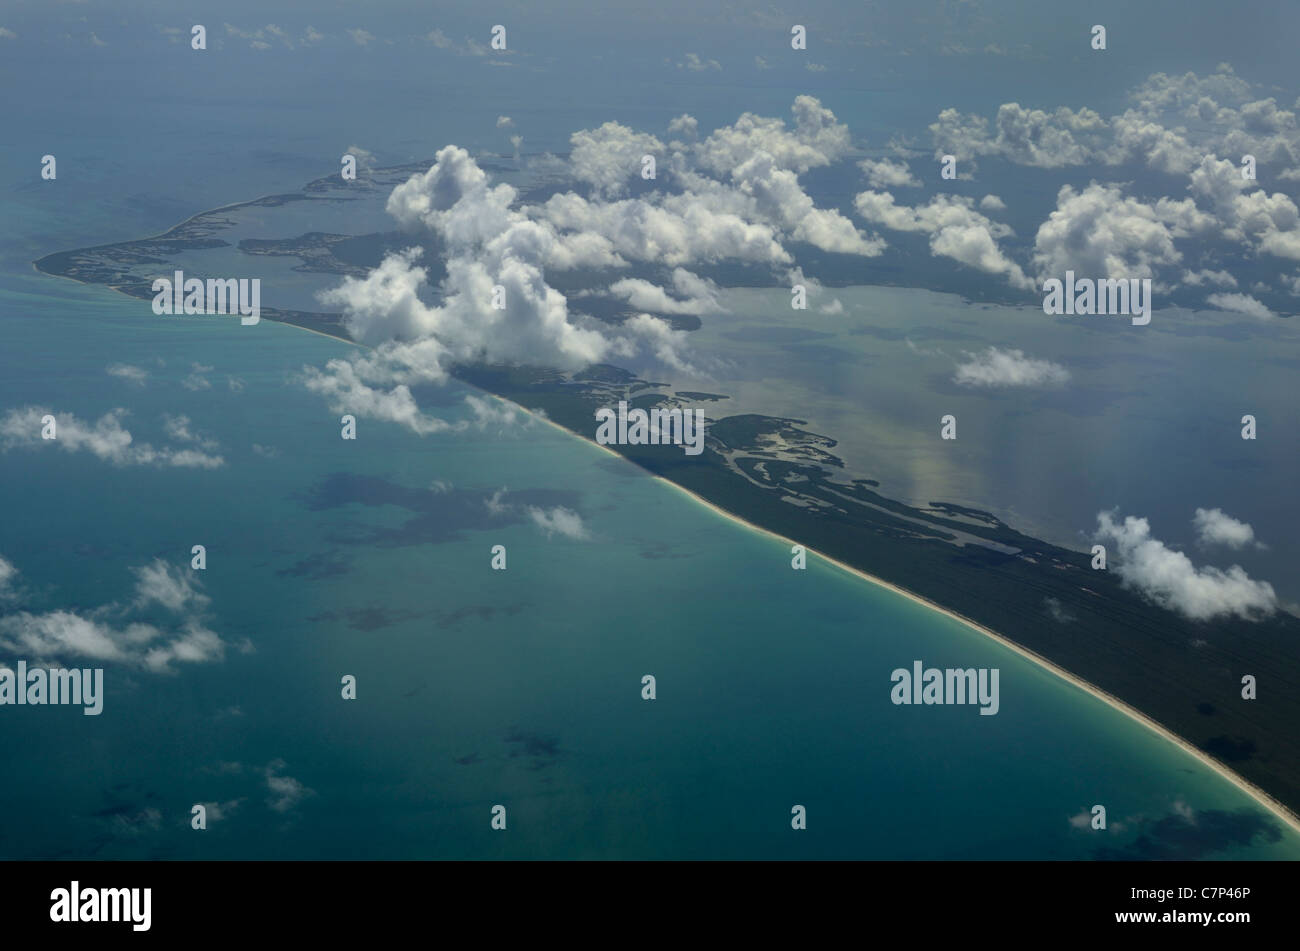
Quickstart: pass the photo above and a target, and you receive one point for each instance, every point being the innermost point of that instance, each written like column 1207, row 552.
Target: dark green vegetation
column 773, row 473
column 1183, row 674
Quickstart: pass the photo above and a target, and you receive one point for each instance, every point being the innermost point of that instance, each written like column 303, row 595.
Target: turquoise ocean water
column 475, row 687
column 479, row 687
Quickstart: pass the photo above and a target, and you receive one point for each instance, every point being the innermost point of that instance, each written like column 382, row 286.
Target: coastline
column 1265, row 800
column 1262, row 798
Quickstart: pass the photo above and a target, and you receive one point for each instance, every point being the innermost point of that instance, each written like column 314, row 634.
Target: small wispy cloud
column 996, row 367
column 559, row 521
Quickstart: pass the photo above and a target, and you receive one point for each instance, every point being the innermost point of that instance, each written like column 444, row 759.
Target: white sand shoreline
column 1272, row 805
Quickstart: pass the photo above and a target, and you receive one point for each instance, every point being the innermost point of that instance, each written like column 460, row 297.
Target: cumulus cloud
column 1025, row 136
column 668, row 345
column 285, row 791
column 996, row 367
column 1171, row 580
column 178, row 428
column 1220, row 114
column 7, row 575
column 131, row 374
column 1058, row 612
column 610, row 155
column 496, row 504
column 1213, row 527
column 559, row 521
column 1081, row 819
column 1206, row 276
column 220, row 811
column 365, row 158
column 676, row 231
column 106, row 439
column 117, row 633
column 1176, row 125
column 695, row 64
column 816, row 140
column 764, row 190
column 882, row 173
column 1172, row 123
column 1267, row 223
column 1099, row 233
column 343, row 384
column 955, row 228
column 1240, row 304
column 260, row 38
column 488, row 412
column 733, row 196
column 194, row 644
column 173, row 588
column 489, row 245
column 197, row 380
column 56, row 634
column 684, row 125
column 696, row 295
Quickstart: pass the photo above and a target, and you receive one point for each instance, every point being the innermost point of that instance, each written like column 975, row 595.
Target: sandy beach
column 1264, row 799
column 1275, row 807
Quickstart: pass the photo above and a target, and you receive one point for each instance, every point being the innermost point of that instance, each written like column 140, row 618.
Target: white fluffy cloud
column 684, row 125
column 1268, row 223
column 696, row 295
column 882, row 173
column 110, row 633
column 1099, row 233
column 1177, row 125
column 1173, row 122
column 1206, row 276
column 955, row 228
column 106, row 439
column 1025, row 136
column 695, row 64
column 178, row 428
column 131, row 374
column 1240, row 304
column 1171, row 580
column 743, row 212
column 55, row 634
column 675, row 233
column 668, row 345
column 1219, row 113
column 610, row 155
column 1213, row 527
column 559, row 521
column 996, row 367
column 174, row 589
column 286, row 792
column 817, row 140
column 7, row 575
